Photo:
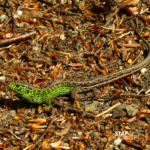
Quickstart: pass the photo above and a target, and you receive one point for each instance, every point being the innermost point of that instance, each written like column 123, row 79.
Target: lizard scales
column 63, row 87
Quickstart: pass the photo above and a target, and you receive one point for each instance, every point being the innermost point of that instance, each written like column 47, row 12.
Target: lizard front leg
column 47, row 101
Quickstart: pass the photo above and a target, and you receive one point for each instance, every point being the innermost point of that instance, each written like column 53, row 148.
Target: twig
column 104, row 112
column 21, row 37
column 14, row 135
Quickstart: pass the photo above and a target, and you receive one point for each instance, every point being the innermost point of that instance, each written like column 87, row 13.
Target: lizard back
column 37, row 95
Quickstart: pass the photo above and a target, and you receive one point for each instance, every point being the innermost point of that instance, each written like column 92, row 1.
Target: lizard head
column 19, row 88
column 13, row 86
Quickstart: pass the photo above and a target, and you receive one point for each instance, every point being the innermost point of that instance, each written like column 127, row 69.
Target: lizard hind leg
column 74, row 93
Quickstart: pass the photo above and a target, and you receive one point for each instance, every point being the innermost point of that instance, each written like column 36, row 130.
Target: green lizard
column 37, row 95
column 63, row 87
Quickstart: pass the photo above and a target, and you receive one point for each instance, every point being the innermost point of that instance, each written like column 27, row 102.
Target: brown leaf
column 35, row 13
column 39, row 121
column 18, row 117
column 131, row 143
column 48, row 54
column 54, row 24
column 65, row 130
column 90, row 13
column 130, row 2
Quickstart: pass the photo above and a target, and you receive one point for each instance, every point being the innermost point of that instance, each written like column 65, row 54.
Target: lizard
column 62, row 86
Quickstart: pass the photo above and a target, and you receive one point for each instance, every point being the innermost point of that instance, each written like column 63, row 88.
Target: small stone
column 2, row 78
column 3, row 17
column 62, row 36
column 118, row 112
column 118, row 141
column 91, row 107
column 131, row 110
column 143, row 70
column 20, row 13
column 80, row 134
column 122, row 146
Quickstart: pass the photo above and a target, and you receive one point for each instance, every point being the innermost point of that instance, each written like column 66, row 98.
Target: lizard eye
column 17, row 85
